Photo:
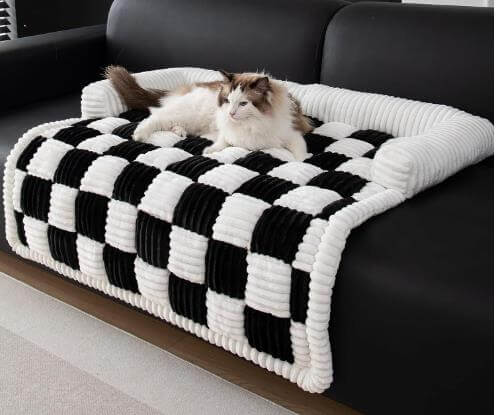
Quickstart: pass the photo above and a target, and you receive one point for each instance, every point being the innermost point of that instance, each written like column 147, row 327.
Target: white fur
column 232, row 124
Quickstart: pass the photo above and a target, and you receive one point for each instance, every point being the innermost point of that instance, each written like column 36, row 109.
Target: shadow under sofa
column 412, row 313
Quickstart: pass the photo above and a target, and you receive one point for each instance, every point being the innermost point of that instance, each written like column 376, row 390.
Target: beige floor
column 55, row 359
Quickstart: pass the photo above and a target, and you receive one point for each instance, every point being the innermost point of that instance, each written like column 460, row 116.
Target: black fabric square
column 327, row 160
column 300, row 286
column 120, row 268
column 193, row 167
column 84, row 123
column 152, row 239
column 376, row 138
column 198, row 208
column 35, row 197
column 73, row 167
column 62, row 246
column 135, row 115
column 371, row 153
column 76, row 134
column 316, row 143
column 267, row 188
column 29, row 152
column 259, row 161
column 335, row 206
column 268, row 334
column 194, row 145
column 187, row 298
column 21, row 233
column 133, row 182
column 126, row 130
column 279, row 231
column 226, row 271
column 90, row 215
column 315, row 122
column 130, row 150
column 344, row 183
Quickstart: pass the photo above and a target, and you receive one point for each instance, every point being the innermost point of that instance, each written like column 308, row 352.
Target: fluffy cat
column 248, row 110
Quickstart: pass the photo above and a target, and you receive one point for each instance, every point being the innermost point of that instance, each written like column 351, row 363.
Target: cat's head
column 244, row 96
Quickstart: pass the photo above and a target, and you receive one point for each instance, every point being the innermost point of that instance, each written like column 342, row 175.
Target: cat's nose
column 232, row 113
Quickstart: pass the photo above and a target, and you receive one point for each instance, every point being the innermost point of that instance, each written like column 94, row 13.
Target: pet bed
column 239, row 248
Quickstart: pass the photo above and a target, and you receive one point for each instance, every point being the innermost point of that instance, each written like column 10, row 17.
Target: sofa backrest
column 436, row 54
column 284, row 37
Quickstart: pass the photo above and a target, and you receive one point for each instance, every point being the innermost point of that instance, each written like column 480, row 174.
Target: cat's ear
column 228, row 77
column 261, row 85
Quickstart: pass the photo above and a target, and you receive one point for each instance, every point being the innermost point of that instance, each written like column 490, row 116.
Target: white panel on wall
column 8, row 26
column 476, row 3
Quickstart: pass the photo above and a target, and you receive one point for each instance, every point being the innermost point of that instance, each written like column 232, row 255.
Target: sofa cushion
column 283, row 37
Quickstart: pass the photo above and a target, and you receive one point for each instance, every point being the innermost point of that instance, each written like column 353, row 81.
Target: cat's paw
column 211, row 149
column 180, row 131
column 141, row 133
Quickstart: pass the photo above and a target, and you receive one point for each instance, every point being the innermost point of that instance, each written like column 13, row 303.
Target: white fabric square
column 296, row 172
column 107, row 125
column 225, row 315
column 163, row 157
column 90, row 257
column 101, row 175
column 368, row 190
column 47, row 158
column 163, row 139
column 281, row 154
column 229, row 154
column 120, row 225
column 237, row 219
column 228, row 177
column 360, row 166
column 163, row 194
column 308, row 199
column 62, row 207
column 299, row 344
column 19, row 176
column 152, row 281
column 36, row 235
column 336, row 130
column 350, row 147
column 309, row 246
column 187, row 254
column 269, row 285
column 100, row 143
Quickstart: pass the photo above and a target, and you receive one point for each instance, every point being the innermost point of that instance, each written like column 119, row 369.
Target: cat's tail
column 133, row 95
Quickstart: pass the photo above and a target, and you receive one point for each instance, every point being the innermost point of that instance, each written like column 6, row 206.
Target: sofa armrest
column 49, row 65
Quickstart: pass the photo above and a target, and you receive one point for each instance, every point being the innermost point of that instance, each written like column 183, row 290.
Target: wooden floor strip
column 174, row 340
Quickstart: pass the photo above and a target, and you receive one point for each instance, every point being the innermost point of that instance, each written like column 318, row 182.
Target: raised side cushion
column 240, row 248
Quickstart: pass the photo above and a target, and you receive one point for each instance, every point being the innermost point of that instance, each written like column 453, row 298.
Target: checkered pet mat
column 240, row 248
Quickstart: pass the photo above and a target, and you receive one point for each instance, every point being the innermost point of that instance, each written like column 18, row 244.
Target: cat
column 248, row 110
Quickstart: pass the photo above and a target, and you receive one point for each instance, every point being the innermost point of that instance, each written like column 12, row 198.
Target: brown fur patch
column 134, row 96
column 301, row 122
column 257, row 88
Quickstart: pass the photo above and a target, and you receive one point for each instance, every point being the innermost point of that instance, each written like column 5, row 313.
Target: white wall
column 477, row 3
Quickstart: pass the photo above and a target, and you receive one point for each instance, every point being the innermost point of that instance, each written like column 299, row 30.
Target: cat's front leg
column 298, row 147
column 148, row 126
column 218, row 145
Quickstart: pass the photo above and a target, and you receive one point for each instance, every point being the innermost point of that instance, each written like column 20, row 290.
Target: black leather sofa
column 412, row 319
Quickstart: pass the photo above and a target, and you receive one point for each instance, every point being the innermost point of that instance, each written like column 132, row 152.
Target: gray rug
column 55, row 359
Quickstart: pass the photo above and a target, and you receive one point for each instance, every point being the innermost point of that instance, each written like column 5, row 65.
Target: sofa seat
column 415, row 282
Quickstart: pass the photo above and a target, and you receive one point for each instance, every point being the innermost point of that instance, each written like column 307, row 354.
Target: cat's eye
column 226, row 101
column 243, row 103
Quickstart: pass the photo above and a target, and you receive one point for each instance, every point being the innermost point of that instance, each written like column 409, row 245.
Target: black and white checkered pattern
column 227, row 241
